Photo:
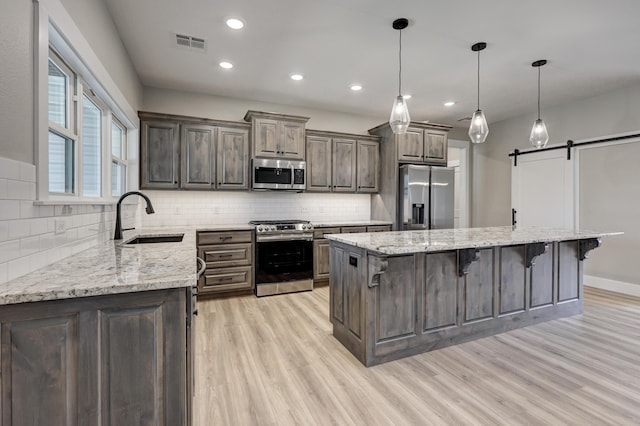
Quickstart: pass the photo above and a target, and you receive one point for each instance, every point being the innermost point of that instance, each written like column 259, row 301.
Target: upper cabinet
column 422, row 145
column 159, row 155
column 277, row 135
column 340, row 162
column 189, row 153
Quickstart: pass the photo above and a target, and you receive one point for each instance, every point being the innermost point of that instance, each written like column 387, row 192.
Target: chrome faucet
column 149, row 209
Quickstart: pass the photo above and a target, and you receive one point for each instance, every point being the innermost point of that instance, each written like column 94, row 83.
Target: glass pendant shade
column 539, row 135
column 478, row 129
column 399, row 119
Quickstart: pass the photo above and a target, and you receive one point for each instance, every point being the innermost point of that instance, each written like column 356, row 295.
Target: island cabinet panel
column 479, row 286
column 395, row 300
column 336, row 284
column 542, row 280
column 354, row 296
column 569, row 271
column 513, row 279
column 440, row 291
column 39, row 371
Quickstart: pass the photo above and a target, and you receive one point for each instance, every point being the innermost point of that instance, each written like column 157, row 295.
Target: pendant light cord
column 538, row 93
column 400, row 67
column 478, row 79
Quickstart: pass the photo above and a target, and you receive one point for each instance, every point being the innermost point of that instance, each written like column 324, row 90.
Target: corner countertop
column 408, row 242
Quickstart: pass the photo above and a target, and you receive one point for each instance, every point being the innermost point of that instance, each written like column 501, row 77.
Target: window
column 62, row 137
column 82, row 132
column 118, row 158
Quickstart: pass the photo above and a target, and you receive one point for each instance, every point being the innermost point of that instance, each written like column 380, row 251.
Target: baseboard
column 612, row 285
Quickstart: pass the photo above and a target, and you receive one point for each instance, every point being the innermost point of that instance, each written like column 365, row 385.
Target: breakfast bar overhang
column 397, row 294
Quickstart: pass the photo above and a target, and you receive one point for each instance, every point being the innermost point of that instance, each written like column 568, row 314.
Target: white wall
column 603, row 115
column 16, row 80
column 209, row 106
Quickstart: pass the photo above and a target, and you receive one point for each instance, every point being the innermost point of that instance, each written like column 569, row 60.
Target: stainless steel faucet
column 149, row 209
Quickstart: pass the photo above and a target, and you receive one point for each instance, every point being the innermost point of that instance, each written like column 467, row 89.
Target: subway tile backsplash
column 176, row 208
column 28, row 238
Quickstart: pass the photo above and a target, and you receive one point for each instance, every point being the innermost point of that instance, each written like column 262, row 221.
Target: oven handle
column 301, row 237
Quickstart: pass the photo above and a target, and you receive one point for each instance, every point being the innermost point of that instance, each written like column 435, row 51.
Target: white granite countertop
column 350, row 223
column 111, row 268
column 407, row 242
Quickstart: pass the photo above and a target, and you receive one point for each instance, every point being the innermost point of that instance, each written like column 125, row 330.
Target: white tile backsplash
column 27, row 238
column 219, row 207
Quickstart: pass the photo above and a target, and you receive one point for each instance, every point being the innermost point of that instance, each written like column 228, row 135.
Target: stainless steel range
column 284, row 256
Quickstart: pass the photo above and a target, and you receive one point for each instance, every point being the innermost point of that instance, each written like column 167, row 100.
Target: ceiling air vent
column 191, row 42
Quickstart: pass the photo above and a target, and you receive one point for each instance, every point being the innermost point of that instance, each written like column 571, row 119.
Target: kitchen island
column 397, row 294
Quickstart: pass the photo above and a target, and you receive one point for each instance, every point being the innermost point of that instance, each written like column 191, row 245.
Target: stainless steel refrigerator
column 425, row 197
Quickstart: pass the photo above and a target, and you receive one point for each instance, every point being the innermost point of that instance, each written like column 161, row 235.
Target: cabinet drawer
column 224, row 237
column 379, row 228
column 353, row 229
column 226, row 279
column 321, row 232
column 223, row 255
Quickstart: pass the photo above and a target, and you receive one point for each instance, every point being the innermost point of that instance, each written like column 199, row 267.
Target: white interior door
column 542, row 190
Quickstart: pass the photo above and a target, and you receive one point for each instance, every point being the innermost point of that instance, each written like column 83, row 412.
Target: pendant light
column 399, row 119
column 539, row 135
column 478, row 129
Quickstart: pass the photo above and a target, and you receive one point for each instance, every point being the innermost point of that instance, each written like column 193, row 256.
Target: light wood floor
column 273, row 361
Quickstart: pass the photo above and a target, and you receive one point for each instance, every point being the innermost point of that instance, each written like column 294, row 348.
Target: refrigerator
column 425, row 197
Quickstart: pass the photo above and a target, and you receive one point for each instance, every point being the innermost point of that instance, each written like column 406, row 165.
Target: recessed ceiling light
column 449, row 103
column 406, row 96
column 226, row 65
column 235, row 23
column 356, row 87
column 296, row 76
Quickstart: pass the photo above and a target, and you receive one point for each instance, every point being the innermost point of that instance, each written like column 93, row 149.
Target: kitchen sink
column 151, row 239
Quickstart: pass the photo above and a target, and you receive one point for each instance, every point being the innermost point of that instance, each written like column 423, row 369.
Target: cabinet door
column 321, row 267
column 292, row 143
column 368, row 161
column 198, row 154
column 411, row 146
column 344, row 165
column 159, row 155
column 435, row 149
column 232, row 158
column 265, row 137
column 318, row 164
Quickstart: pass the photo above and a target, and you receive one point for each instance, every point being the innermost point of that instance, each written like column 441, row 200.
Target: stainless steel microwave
column 278, row 174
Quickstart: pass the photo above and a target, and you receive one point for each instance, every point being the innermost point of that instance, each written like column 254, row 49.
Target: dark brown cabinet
column 159, row 155
column 111, row 360
column 228, row 256
column 340, row 162
column 277, row 135
column 422, row 145
column 187, row 153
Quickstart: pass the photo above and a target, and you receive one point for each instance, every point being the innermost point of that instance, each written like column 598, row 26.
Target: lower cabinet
column 109, row 360
column 321, row 265
column 228, row 256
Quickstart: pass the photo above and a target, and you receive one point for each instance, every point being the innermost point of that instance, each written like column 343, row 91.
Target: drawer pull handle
column 226, row 278
column 225, row 255
column 225, row 238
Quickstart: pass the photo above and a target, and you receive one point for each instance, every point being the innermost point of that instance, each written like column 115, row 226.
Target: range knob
column 272, row 228
column 260, row 228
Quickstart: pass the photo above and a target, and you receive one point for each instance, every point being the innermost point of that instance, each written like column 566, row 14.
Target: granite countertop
column 351, row 223
column 407, row 242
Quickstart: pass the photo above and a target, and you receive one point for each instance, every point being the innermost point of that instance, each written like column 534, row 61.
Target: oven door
column 284, row 261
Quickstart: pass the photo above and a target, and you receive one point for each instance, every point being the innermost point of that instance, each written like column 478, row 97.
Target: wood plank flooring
column 273, row 361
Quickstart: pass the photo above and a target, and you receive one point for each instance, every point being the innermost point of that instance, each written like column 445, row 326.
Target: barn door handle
column 513, row 217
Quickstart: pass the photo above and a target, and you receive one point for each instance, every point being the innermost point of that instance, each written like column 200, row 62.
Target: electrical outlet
column 304, row 209
column 60, row 226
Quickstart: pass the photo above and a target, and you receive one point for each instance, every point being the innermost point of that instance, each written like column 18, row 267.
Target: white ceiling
column 591, row 46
